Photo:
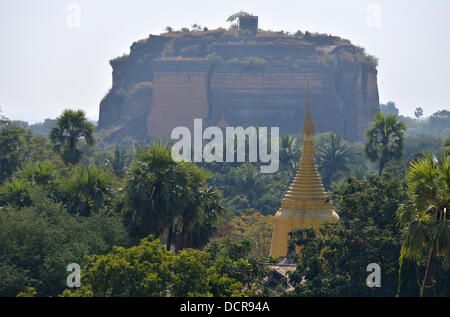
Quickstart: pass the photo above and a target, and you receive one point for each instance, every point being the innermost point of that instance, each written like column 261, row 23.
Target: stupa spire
column 305, row 204
column 308, row 124
column 307, row 184
column 222, row 123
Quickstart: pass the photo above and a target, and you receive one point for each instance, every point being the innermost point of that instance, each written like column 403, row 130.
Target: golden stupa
column 305, row 205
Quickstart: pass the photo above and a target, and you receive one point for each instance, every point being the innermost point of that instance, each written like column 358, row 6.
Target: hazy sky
column 49, row 63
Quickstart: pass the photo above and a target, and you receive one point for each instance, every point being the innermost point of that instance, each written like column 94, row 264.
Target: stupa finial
column 308, row 105
column 308, row 124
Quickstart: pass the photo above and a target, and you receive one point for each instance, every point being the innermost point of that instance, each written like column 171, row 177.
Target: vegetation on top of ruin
column 234, row 33
column 199, row 42
column 134, row 88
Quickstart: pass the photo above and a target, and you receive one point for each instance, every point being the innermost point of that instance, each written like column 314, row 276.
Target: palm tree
column 162, row 196
column 70, row 128
column 88, row 190
column 289, row 153
column 118, row 162
column 150, row 193
column 43, row 173
column 198, row 222
column 385, row 140
column 16, row 193
column 418, row 112
column 247, row 179
column 333, row 158
column 424, row 220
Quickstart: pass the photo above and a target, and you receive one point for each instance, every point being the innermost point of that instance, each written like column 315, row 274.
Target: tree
column 424, row 219
column 39, row 241
column 237, row 15
column 169, row 29
column 232, row 18
column 234, row 259
column 248, row 179
column 3, row 120
column 289, row 153
column 118, row 162
column 438, row 123
column 12, row 145
column 418, row 112
column 199, row 220
column 244, row 187
column 385, row 140
column 18, row 147
column 70, row 128
column 87, row 190
column 196, row 27
column 17, row 193
column 43, row 128
column 141, row 270
column 440, row 117
column 28, row 292
column 41, row 173
column 408, row 278
column 151, row 196
column 417, row 144
column 334, row 257
column 148, row 269
column 162, row 196
column 333, row 158
column 333, row 260
column 389, row 108
column 253, row 226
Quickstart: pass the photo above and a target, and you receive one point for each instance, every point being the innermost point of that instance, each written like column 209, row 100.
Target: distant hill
column 438, row 124
column 40, row 128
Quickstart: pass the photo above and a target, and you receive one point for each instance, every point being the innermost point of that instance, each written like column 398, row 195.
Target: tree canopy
column 71, row 126
column 385, row 140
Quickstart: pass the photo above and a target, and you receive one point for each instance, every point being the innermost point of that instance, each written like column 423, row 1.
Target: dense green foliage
column 148, row 269
column 38, row 242
column 424, row 217
column 333, row 159
column 162, row 196
column 88, row 190
column 408, row 278
column 19, row 146
column 244, row 187
column 415, row 145
column 140, row 224
column 334, row 259
column 11, row 142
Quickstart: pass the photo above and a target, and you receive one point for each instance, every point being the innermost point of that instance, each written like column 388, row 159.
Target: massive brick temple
column 242, row 77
